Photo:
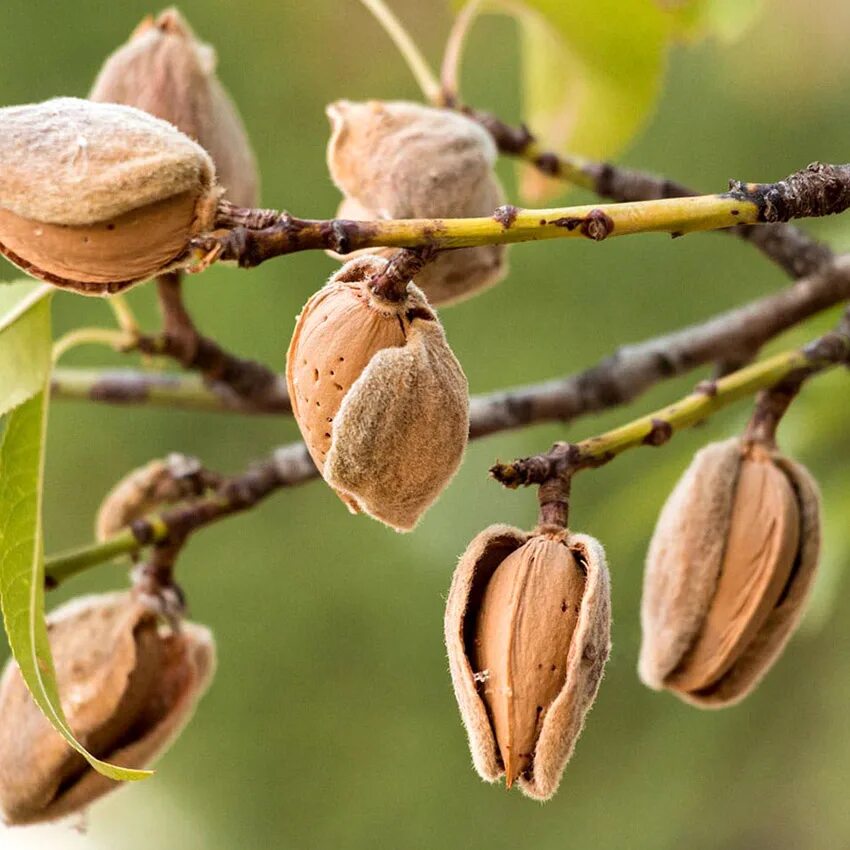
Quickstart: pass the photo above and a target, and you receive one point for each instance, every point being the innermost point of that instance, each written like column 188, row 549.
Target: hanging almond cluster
column 527, row 628
column 728, row 571
column 128, row 687
column 96, row 197
column 380, row 398
column 164, row 70
column 405, row 160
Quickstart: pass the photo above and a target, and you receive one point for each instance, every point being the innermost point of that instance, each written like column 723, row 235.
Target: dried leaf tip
column 380, row 398
column 729, row 567
column 527, row 631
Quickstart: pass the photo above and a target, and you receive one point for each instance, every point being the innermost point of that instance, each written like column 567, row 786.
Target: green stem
column 656, row 428
column 596, row 222
column 250, row 237
column 407, row 47
column 60, row 567
column 115, row 339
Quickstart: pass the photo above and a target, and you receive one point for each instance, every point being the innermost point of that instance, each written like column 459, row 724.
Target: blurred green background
column 331, row 722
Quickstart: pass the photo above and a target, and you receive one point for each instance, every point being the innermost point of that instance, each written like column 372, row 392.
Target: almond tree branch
column 790, row 368
column 737, row 334
column 247, row 381
column 286, row 467
column 291, row 465
column 172, row 390
column 793, row 250
column 250, row 237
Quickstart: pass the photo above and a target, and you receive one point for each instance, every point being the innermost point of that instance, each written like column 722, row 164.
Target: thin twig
column 291, row 465
column 655, row 429
column 737, row 334
column 249, row 381
column 453, row 54
column 118, row 340
column 411, row 54
column 286, row 467
column 817, row 190
column 633, row 369
column 794, row 251
column 172, row 390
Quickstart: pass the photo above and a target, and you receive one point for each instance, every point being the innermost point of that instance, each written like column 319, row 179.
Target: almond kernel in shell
column 108, row 255
column 761, row 549
column 127, row 689
column 96, row 197
column 522, row 638
column 339, row 331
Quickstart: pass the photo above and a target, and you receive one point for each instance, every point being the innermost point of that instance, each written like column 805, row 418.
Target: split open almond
column 96, row 197
column 381, row 401
column 128, row 686
column 528, row 632
column 729, row 567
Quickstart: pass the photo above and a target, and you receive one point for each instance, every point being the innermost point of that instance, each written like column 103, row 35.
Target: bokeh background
column 331, row 723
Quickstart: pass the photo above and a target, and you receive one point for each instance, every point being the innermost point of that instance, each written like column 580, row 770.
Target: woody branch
column 797, row 253
column 291, row 465
column 244, row 384
column 736, row 334
column 784, row 373
column 251, row 237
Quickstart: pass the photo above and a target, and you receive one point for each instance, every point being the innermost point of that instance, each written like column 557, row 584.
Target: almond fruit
column 380, row 398
column 128, row 687
column 96, row 197
column 166, row 71
column 528, row 633
column 141, row 491
column 404, row 160
column 729, row 567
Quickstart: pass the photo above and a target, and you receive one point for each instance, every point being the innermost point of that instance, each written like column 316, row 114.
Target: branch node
column 506, row 215
column 598, row 225
column 391, row 283
column 817, row 190
column 660, row 432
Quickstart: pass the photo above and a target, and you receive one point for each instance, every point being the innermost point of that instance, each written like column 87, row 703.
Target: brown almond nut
column 128, row 687
column 528, row 633
column 380, row 398
column 729, row 567
column 159, row 482
column 96, row 197
column 405, row 160
column 166, row 71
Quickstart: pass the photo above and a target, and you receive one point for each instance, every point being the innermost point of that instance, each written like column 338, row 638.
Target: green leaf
column 24, row 341
column 727, row 20
column 592, row 72
column 22, row 566
column 591, row 75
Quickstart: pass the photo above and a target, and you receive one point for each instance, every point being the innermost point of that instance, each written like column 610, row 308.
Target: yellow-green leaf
column 591, row 75
column 24, row 341
column 22, row 566
column 726, row 20
column 592, row 72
